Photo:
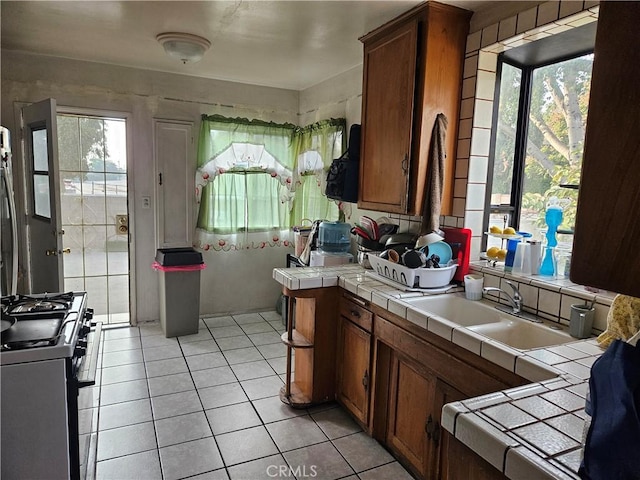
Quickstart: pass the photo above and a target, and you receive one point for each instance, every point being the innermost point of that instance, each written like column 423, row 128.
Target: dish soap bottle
column 553, row 219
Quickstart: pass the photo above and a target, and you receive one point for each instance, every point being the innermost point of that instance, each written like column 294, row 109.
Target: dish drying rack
column 414, row 277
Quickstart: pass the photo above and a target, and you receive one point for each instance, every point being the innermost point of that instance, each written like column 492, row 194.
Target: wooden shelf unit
column 314, row 338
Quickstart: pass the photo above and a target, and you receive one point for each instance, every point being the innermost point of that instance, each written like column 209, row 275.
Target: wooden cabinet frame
column 413, row 70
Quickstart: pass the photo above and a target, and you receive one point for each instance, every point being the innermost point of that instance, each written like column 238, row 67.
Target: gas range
column 44, row 326
column 48, row 352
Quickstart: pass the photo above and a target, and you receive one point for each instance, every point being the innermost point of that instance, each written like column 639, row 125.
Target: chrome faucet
column 515, row 300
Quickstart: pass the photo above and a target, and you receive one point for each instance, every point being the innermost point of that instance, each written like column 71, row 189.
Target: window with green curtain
column 257, row 176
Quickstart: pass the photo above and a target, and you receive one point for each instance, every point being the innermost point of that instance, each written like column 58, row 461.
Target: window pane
column 92, row 144
column 68, row 143
column 41, row 198
column 310, row 203
column 116, row 149
column 503, row 157
column 264, row 209
column 40, row 156
column 555, row 139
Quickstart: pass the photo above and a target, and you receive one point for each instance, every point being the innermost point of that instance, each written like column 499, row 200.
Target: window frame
column 522, row 128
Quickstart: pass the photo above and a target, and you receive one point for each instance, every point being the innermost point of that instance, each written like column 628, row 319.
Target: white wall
column 242, row 280
column 233, row 281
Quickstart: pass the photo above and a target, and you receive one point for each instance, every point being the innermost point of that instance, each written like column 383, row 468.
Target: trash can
column 179, row 270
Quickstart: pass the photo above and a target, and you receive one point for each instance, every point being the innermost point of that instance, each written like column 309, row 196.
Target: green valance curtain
column 217, row 133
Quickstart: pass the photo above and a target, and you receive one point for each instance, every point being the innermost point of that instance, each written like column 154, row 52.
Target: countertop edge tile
column 522, row 463
column 484, row 439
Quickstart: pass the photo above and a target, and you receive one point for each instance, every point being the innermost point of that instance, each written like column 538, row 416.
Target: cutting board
column 460, row 241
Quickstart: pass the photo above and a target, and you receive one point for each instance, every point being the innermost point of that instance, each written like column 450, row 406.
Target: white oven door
column 35, row 439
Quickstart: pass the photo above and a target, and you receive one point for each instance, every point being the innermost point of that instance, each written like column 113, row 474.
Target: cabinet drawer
column 356, row 313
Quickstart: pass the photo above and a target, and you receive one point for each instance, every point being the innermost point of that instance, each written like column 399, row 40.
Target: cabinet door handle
column 433, row 430
column 365, row 380
column 405, row 163
column 428, row 427
column 355, row 314
column 436, row 433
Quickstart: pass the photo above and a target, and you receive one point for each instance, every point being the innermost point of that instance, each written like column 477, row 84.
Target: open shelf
column 295, row 399
column 298, row 340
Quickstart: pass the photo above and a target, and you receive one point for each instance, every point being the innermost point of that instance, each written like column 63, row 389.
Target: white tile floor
column 206, row 406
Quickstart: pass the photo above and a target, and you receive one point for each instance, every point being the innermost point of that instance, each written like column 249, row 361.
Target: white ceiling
column 286, row 44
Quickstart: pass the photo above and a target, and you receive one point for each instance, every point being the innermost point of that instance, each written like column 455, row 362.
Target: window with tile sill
column 542, row 93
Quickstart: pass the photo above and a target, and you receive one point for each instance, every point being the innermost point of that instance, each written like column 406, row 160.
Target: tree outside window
column 539, row 141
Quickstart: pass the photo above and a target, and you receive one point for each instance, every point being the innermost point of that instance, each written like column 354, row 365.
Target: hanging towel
column 435, row 177
column 623, row 320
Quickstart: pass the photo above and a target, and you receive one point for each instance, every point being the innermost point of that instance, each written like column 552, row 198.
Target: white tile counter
column 533, row 431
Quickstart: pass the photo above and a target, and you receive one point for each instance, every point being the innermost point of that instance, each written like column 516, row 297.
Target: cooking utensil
column 401, row 239
column 6, row 324
column 386, row 229
column 371, row 225
column 462, row 237
column 360, row 232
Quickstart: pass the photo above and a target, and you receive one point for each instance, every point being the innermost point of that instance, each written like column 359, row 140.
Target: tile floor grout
column 206, row 331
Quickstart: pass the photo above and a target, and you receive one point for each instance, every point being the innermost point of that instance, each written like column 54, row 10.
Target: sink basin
column 456, row 308
column 522, row 334
column 486, row 319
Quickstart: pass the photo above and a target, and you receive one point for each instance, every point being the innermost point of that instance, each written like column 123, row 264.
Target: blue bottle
column 553, row 218
column 512, row 245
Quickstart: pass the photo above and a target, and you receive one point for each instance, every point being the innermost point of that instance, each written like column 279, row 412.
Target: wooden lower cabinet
column 414, row 379
column 352, row 390
column 353, row 372
column 459, row 462
column 416, row 398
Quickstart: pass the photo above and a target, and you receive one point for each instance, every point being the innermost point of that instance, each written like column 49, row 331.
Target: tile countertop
column 533, row 431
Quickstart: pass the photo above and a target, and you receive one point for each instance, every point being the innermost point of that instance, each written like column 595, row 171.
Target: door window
column 41, row 197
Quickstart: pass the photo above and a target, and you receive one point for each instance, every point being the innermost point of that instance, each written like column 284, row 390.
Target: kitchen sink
column 522, row 334
column 483, row 317
column 456, row 308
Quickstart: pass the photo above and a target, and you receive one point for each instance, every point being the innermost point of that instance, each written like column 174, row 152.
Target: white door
column 40, row 147
column 175, row 168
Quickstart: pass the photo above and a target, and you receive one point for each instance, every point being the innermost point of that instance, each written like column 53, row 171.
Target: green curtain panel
column 256, row 176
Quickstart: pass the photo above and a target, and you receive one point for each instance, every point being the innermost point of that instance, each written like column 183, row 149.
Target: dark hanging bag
column 612, row 446
column 342, row 177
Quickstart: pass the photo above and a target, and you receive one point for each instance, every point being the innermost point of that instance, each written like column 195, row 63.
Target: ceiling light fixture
column 184, row 46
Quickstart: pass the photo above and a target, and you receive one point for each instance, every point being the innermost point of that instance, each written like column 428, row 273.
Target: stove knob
column 82, row 343
column 80, row 351
column 88, row 314
column 84, row 330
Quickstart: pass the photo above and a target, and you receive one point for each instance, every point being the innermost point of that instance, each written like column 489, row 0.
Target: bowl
column 435, row 277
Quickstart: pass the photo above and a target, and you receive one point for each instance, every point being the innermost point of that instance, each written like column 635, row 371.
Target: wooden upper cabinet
column 412, row 72
column 605, row 248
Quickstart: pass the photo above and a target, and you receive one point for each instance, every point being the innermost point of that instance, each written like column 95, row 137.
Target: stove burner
column 39, row 306
column 22, row 304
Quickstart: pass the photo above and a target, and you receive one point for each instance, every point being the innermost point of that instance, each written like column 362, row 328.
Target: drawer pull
column 362, row 303
column 355, row 314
